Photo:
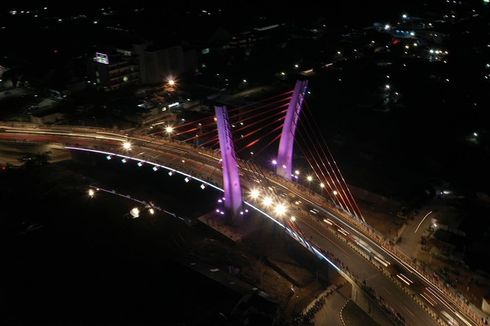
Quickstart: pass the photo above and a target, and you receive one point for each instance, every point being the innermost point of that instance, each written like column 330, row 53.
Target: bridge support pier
column 286, row 144
column 231, row 177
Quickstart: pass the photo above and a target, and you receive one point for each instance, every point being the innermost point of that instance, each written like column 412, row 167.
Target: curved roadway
column 398, row 283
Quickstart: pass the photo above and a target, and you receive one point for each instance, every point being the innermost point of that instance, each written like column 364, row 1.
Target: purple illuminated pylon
column 231, row 177
column 286, row 144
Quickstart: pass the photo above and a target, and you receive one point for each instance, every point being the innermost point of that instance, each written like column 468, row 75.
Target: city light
column 335, row 192
column 140, row 164
column 387, row 86
column 135, row 212
column 293, row 218
column 267, row 201
column 127, row 146
column 171, row 82
column 254, row 194
column 151, row 211
column 322, row 185
column 91, row 193
column 296, row 172
column 475, row 134
column 203, row 186
column 309, row 178
column 155, row 168
column 186, row 179
column 274, row 162
column 280, row 209
column 169, row 129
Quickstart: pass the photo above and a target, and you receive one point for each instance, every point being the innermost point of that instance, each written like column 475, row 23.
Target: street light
column 309, row 178
column 267, row 201
column 293, row 218
column 280, row 209
column 91, row 193
column 169, row 130
column 151, row 211
column 135, row 212
column 171, row 82
column 322, row 185
column 254, row 194
column 335, row 192
column 126, row 145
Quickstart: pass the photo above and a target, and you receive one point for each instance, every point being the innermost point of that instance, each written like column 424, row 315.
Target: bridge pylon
column 286, row 144
column 231, row 177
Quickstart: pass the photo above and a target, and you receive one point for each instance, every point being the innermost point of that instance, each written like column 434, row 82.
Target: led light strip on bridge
column 293, row 234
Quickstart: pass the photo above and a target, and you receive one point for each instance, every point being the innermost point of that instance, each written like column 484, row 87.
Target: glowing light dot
column 267, row 201
column 127, row 145
column 254, row 193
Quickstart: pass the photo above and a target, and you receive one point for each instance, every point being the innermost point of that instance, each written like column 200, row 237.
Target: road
column 204, row 164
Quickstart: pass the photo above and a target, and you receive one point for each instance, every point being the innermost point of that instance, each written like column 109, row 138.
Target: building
column 142, row 64
column 110, row 72
column 156, row 64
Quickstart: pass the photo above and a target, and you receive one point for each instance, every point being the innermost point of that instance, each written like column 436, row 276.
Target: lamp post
column 169, row 131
